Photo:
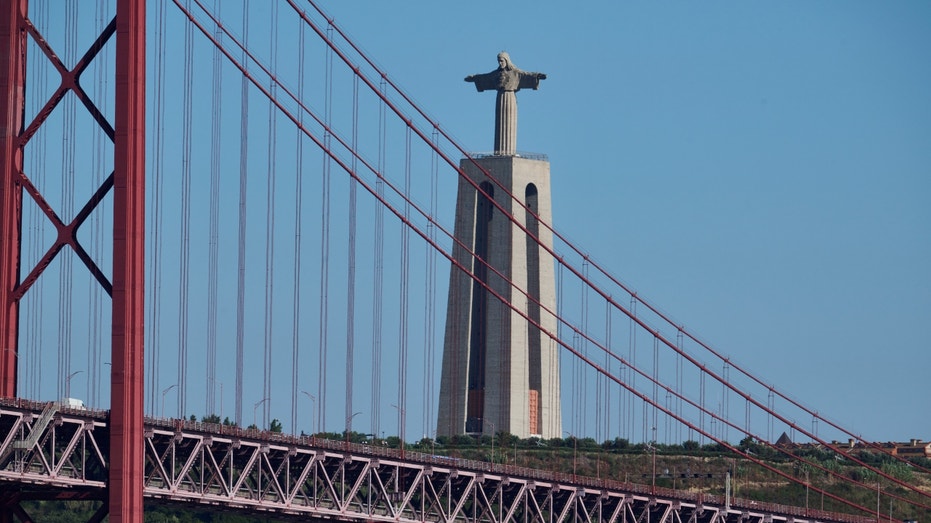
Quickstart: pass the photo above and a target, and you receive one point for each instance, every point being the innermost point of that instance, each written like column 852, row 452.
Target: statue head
column 504, row 61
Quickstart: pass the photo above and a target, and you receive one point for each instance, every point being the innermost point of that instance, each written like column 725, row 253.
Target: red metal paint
column 12, row 87
column 127, row 385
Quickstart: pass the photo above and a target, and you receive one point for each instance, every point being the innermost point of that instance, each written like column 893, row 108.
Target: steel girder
column 52, row 451
column 53, row 448
column 331, row 480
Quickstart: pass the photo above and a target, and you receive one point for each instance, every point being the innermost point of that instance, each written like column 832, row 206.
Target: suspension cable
column 430, row 298
column 213, row 240
column 404, row 290
column 578, row 355
column 243, row 201
column 351, row 264
column 65, row 277
column 270, row 228
column 325, row 241
column 153, row 345
column 298, row 244
column 378, row 283
column 612, row 279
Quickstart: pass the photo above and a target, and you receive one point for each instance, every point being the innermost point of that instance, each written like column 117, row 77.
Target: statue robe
column 506, row 82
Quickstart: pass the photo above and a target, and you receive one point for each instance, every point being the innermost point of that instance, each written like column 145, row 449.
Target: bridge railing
column 601, row 484
column 404, row 455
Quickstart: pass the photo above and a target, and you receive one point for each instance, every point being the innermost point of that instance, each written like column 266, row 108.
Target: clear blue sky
column 761, row 171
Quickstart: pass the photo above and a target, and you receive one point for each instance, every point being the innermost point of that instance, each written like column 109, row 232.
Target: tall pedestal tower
column 500, row 365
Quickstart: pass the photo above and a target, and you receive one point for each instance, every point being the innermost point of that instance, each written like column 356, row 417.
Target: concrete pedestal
column 500, row 371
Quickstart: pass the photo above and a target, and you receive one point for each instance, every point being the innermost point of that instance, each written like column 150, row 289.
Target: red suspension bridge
column 242, row 191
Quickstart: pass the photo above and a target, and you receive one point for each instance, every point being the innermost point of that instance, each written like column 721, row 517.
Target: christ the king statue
column 507, row 80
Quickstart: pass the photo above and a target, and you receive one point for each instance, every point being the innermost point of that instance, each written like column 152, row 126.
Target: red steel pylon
column 128, row 185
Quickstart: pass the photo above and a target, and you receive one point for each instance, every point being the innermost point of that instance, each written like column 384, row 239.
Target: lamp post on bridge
column 401, row 413
column 165, row 391
column 807, row 485
column 493, row 430
column 575, row 450
column 221, row 397
column 653, row 446
column 877, row 501
column 68, row 382
column 256, row 407
column 313, row 412
column 349, row 424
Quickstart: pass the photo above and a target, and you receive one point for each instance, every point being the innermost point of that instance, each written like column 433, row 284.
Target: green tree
column 275, row 426
column 463, row 440
column 506, row 439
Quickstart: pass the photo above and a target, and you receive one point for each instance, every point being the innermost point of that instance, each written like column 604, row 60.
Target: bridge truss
column 51, row 450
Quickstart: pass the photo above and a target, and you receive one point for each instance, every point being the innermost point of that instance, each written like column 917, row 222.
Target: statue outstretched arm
column 530, row 80
column 484, row 82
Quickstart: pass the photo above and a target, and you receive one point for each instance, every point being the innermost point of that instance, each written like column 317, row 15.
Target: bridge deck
column 216, row 465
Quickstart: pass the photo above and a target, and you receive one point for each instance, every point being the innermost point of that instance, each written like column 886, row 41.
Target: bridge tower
column 500, row 366
column 127, row 186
